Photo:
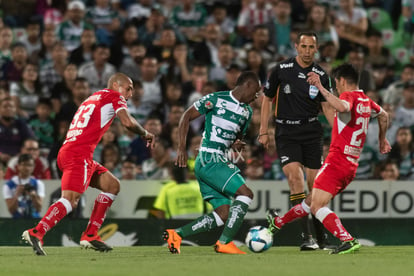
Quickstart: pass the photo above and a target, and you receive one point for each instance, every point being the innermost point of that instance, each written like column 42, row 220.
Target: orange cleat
column 229, row 248
column 173, row 240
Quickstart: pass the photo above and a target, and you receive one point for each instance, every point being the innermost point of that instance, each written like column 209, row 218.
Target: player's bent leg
column 238, row 209
column 110, row 186
column 54, row 214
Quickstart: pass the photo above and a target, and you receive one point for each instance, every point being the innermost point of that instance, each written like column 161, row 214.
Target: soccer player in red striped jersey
column 92, row 119
column 353, row 111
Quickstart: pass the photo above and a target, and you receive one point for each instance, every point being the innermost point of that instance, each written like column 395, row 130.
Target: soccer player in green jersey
column 227, row 116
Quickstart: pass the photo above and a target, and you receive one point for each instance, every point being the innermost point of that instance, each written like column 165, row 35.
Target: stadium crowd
column 54, row 54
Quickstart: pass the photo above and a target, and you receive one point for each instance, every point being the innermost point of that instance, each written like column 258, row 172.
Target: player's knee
column 314, row 208
column 223, row 212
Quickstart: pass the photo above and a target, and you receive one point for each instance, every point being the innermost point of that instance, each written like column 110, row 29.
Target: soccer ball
column 259, row 239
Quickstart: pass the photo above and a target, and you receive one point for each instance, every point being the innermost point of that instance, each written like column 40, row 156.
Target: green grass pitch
column 202, row 260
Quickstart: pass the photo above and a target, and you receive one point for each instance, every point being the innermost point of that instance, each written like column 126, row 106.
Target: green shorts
column 219, row 179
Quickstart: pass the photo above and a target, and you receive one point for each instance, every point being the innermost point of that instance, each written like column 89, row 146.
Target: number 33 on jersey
column 92, row 119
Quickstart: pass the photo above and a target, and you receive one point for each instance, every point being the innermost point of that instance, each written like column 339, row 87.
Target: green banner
column 132, row 232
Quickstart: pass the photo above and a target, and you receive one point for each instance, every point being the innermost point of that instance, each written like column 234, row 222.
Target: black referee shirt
column 295, row 98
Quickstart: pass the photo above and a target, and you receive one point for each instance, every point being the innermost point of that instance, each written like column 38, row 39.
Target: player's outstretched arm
column 263, row 137
column 190, row 114
column 384, row 145
column 131, row 124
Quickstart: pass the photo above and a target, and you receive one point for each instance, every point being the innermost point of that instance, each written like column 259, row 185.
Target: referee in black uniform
column 298, row 132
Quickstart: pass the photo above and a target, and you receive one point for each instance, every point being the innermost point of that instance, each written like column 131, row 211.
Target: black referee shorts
column 300, row 143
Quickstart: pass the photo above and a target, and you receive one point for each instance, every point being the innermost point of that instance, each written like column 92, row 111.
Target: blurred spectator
column 404, row 114
column 402, row 153
column 152, row 82
column 120, row 49
column 52, row 72
column 226, row 56
column 280, row 25
column 189, row 17
column 26, row 93
column 83, row 53
column 389, row 170
column 12, row 131
column 176, row 69
column 105, row 20
column 24, row 193
column 62, row 91
column 162, row 49
column 178, row 198
column 232, row 73
column 6, row 39
column 367, row 160
column 135, row 106
column 44, row 54
column 128, row 170
column 13, row 69
column 173, row 118
column 41, row 166
column 61, row 129
column 53, row 15
column 377, row 54
column 254, row 62
column 80, row 92
column 70, row 30
column 254, row 169
column 261, row 43
column 109, row 138
column 42, row 124
column 301, row 10
column 319, row 21
column 138, row 151
column 256, row 13
column 357, row 57
column 394, row 92
column 31, row 39
column 199, row 76
column 219, row 16
column 98, row 71
column 131, row 64
column 111, row 159
column 206, row 51
column 140, row 10
column 156, row 167
column 351, row 24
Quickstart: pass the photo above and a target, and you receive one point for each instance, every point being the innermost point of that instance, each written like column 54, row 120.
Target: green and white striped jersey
column 226, row 117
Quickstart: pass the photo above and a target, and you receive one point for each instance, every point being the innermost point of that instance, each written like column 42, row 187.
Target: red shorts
column 77, row 170
column 335, row 174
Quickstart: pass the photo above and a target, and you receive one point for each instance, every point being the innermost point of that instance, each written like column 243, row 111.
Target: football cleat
column 347, row 247
column 308, row 244
column 173, row 240
column 271, row 215
column 35, row 240
column 94, row 242
column 228, row 248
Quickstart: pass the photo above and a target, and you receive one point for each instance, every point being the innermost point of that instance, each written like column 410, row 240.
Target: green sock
column 201, row 224
column 236, row 215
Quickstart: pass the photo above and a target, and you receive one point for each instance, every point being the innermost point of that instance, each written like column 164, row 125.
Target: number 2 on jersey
column 82, row 116
column 355, row 141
